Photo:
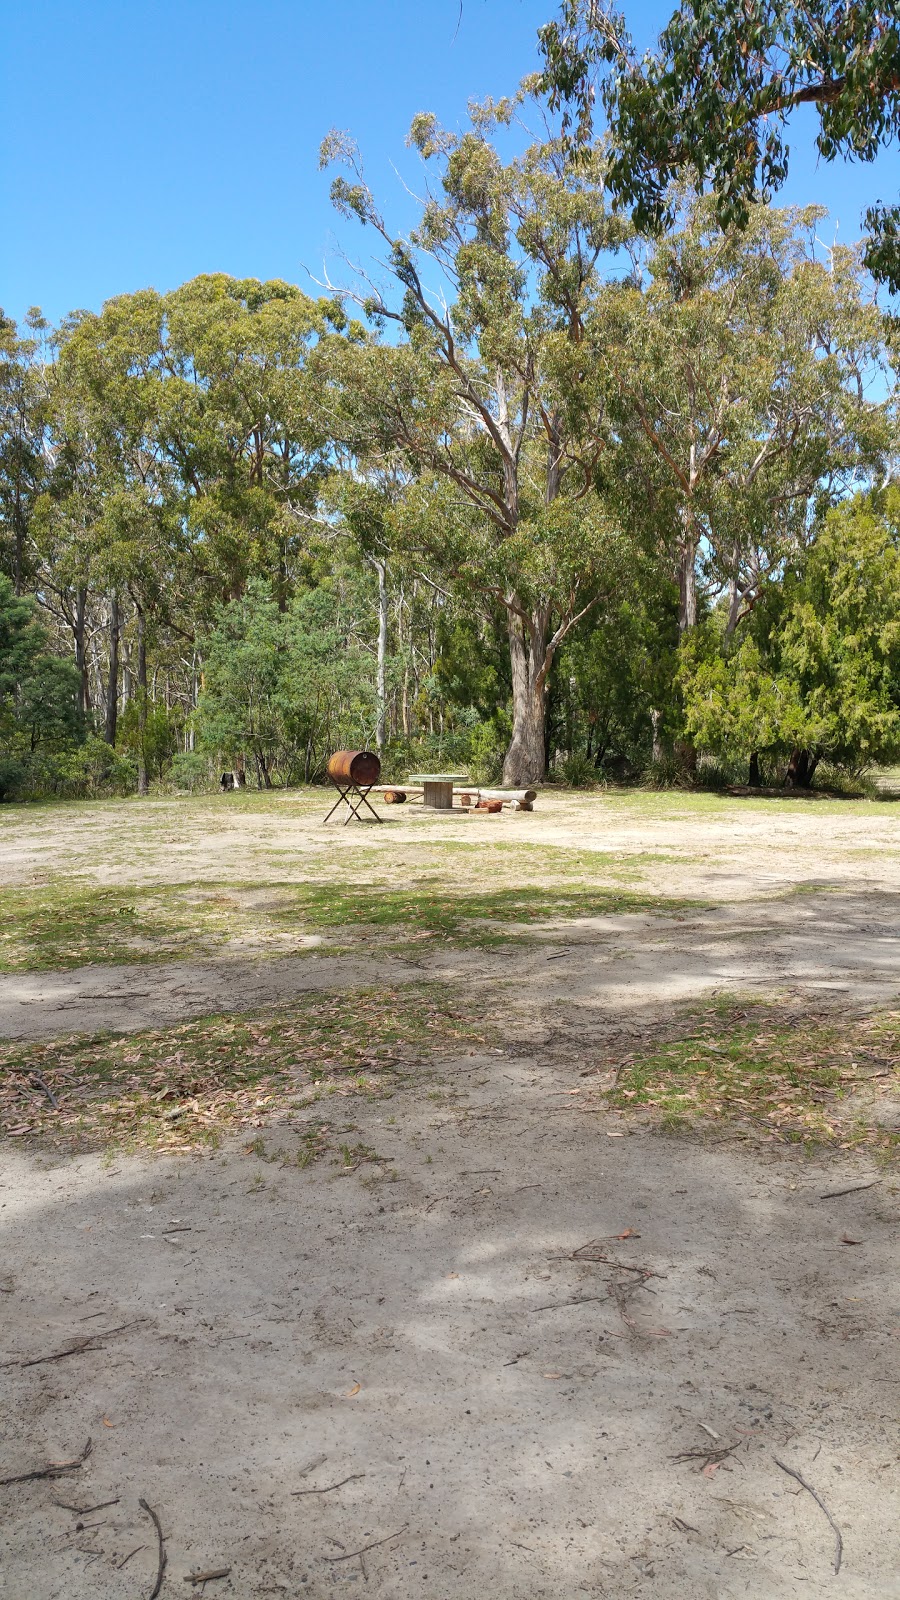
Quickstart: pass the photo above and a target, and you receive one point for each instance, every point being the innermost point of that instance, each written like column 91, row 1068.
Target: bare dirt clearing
column 489, row 1404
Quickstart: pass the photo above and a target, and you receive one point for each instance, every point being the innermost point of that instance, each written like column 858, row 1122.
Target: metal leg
column 344, row 793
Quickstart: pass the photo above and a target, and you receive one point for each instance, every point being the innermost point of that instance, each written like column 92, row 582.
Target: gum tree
column 712, row 102
column 488, row 395
column 743, row 387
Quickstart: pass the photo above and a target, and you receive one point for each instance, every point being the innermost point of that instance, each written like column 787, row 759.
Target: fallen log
column 468, row 795
column 528, row 795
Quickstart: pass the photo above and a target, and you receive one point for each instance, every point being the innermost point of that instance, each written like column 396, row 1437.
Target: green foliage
column 38, row 712
column 149, row 733
column 283, row 688
column 713, row 102
column 818, row 666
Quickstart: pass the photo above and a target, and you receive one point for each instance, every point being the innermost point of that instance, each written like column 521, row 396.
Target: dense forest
column 542, row 495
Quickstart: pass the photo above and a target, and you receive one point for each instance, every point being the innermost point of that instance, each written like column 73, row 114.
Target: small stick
column 85, row 1511
column 838, row 1541
column 706, row 1456
column 354, row 1476
column 39, row 1082
column 352, row 1554
column 854, row 1188
column 54, row 1469
column 610, row 1261
column 130, row 1554
column 207, row 1577
column 160, row 1571
column 557, row 1305
column 89, row 1342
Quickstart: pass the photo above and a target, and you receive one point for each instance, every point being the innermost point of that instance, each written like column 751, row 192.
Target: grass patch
column 808, row 1080
column 58, row 927
column 481, row 919
column 185, row 1087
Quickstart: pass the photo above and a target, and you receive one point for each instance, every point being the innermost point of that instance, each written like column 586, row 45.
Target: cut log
column 394, row 797
column 527, row 795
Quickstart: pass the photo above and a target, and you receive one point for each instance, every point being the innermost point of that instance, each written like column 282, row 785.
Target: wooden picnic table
column 438, row 787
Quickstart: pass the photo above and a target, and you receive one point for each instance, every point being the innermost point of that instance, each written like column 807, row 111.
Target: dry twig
column 838, row 1540
column 352, row 1554
column 89, row 1342
column 854, row 1188
column 85, row 1511
column 354, row 1476
column 160, row 1537
column 54, row 1469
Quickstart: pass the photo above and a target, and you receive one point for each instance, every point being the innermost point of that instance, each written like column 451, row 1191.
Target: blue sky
column 145, row 142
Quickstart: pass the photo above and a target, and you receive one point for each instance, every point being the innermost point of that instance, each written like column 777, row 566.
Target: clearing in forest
column 466, row 1202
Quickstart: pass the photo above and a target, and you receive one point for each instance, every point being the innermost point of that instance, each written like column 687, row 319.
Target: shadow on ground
column 505, row 1411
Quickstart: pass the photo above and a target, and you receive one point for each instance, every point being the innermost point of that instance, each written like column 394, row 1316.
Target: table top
column 438, row 777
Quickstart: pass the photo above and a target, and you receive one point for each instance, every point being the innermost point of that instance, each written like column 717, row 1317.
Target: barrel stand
column 345, row 788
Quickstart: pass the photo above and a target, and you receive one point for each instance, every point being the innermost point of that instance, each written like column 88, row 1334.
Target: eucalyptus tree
column 24, row 370
column 238, row 423
column 188, row 413
column 489, row 394
column 712, row 102
column 743, row 377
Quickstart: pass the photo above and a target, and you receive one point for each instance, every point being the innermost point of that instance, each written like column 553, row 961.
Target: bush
column 12, row 777
column 193, row 771
column 578, row 771
column 488, row 743
column 95, row 768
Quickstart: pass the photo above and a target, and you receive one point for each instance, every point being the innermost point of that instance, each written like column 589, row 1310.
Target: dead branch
column 54, row 1469
column 89, row 1342
column 161, row 1568
column 207, row 1577
column 353, row 1478
column 85, row 1511
column 854, row 1188
column 706, row 1456
column 352, row 1554
column 557, row 1305
column 838, row 1540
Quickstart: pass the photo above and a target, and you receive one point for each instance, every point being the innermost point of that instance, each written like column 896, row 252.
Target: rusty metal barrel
column 361, row 767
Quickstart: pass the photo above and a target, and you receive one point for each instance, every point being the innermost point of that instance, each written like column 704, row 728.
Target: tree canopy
column 713, row 102
column 536, row 491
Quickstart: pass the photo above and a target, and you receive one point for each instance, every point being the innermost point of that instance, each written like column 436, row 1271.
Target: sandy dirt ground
column 524, row 1352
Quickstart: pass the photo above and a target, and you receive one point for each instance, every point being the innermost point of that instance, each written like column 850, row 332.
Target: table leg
column 439, row 796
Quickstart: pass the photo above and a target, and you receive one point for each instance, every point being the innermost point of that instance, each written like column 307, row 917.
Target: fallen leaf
column 108, row 1424
column 552, row 1374
column 452, row 1274
column 351, row 1392
column 711, row 1468
column 615, row 1135
column 630, row 1233
column 845, row 1239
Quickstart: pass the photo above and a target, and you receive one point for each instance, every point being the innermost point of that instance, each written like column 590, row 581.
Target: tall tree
column 490, row 398
column 713, row 101
column 739, row 379
column 23, row 420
